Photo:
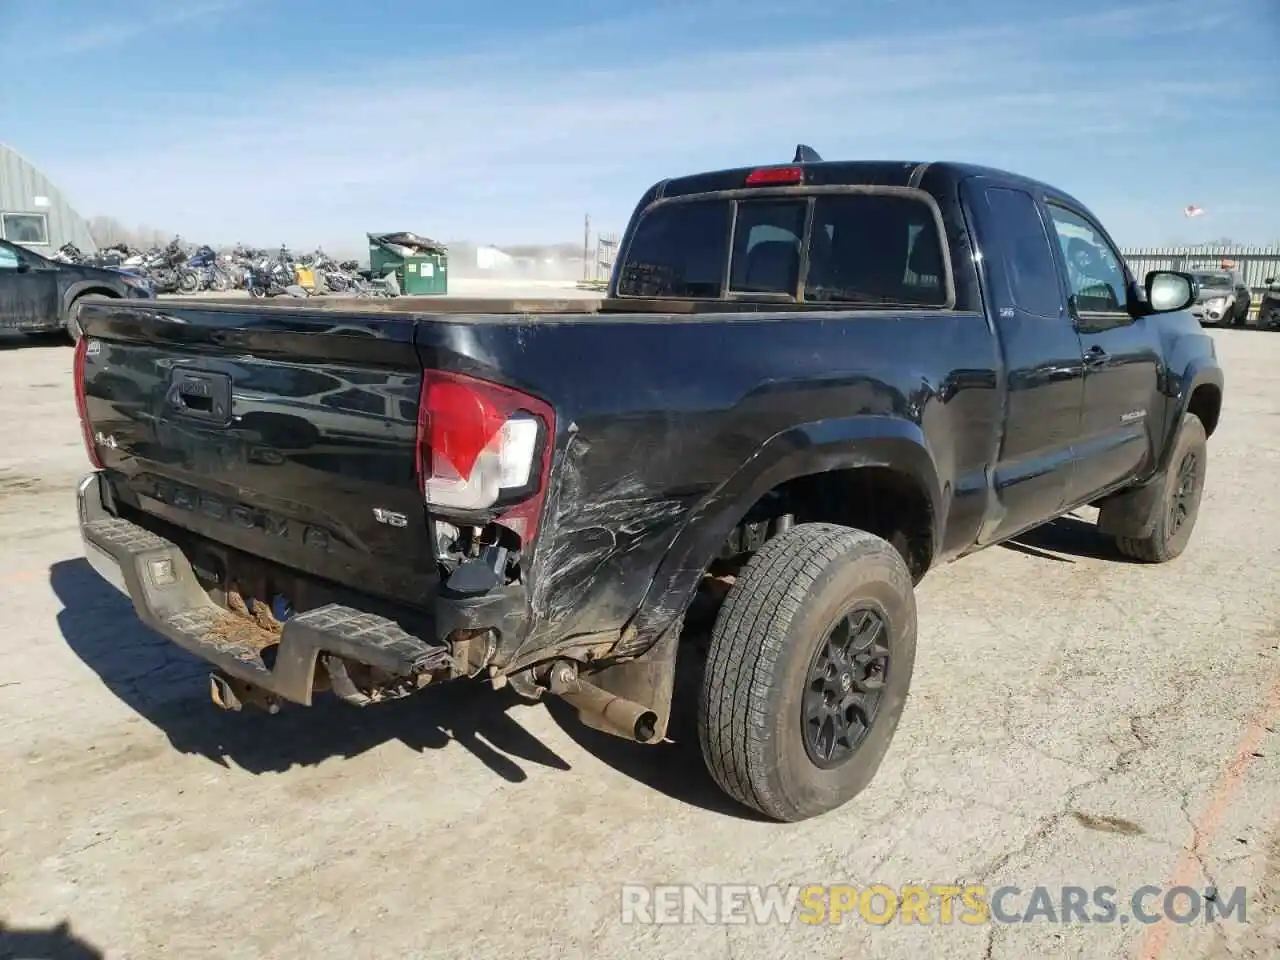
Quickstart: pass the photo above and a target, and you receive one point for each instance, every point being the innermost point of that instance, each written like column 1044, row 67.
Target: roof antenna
column 806, row 154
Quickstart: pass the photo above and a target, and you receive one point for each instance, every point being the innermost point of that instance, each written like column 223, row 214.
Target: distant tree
column 107, row 231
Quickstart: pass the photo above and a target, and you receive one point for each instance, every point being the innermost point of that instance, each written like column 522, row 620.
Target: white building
column 34, row 212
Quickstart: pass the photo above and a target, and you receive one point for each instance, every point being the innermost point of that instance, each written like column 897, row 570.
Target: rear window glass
column 766, row 246
column 679, row 250
column 875, row 248
column 865, row 248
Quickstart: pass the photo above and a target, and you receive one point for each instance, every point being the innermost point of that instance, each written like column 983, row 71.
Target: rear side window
column 875, row 248
column 1019, row 240
column 678, row 250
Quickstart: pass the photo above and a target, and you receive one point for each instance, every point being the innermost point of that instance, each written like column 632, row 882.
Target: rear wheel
column 1180, row 499
column 808, row 670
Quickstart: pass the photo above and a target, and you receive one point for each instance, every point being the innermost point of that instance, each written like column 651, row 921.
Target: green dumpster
column 421, row 265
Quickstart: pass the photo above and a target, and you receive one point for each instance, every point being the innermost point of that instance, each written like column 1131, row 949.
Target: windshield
column 860, row 248
column 13, row 252
column 1213, row 281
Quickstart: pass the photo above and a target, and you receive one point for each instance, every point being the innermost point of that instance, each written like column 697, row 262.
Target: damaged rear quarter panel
column 655, row 413
column 605, row 535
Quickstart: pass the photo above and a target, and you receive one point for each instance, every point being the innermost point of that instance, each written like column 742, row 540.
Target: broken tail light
column 484, row 447
column 82, row 409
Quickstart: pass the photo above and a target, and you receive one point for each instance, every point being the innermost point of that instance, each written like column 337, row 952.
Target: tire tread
column 1155, row 547
column 746, row 644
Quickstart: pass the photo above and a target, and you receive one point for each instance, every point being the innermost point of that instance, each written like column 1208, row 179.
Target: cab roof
column 935, row 176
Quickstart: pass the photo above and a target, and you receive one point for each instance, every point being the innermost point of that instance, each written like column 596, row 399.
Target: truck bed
column 655, row 410
column 498, row 309
column 408, row 306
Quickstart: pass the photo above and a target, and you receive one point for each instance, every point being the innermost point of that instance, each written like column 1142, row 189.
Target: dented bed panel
column 653, row 419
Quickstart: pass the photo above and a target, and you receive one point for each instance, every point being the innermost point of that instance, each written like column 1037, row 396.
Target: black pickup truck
column 807, row 385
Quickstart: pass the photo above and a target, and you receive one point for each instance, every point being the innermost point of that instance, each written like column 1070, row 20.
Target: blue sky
column 271, row 121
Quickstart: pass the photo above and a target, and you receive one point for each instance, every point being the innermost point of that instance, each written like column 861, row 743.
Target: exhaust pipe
column 232, row 694
column 602, row 710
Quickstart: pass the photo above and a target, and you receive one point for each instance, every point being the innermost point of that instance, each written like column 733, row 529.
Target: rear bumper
column 106, row 566
column 157, row 577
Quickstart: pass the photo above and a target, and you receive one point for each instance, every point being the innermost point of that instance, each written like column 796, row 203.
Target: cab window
column 1095, row 272
column 871, row 248
column 863, row 247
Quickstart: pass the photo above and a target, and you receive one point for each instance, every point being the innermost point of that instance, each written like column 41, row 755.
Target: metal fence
column 1254, row 264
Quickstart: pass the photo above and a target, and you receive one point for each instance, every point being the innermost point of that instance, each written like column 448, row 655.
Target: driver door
column 1122, row 401
column 28, row 291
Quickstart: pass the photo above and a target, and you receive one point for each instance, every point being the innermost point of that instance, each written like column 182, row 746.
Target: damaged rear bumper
column 157, row 577
column 317, row 649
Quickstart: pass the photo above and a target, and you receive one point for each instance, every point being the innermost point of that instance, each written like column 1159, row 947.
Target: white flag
column 1192, row 211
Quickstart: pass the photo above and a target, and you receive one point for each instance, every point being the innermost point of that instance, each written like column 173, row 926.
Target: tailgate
column 287, row 435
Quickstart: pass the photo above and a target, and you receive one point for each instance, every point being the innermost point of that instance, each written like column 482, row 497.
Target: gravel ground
column 1075, row 720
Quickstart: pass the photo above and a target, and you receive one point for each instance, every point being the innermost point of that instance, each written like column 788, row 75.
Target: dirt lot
column 1075, row 720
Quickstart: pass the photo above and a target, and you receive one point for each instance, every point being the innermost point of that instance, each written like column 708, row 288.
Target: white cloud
column 514, row 144
column 123, row 23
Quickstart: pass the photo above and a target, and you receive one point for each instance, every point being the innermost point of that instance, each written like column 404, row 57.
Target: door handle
column 1095, row 355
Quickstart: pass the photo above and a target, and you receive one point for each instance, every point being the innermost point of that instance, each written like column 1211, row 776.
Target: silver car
column 1224, row 299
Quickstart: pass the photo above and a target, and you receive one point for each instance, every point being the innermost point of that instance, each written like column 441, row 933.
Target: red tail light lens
column 86, row 431
column 775, row 176
column 483, row 446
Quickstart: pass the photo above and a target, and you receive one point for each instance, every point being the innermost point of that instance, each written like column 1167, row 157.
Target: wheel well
column 880, row 500
column 1206, row 404
column 91, row 292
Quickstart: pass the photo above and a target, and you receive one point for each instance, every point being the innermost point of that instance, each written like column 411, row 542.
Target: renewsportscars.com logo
column 941, row 903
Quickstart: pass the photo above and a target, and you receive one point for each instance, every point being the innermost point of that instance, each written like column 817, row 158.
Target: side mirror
column 1168, row 291
column 24, row 267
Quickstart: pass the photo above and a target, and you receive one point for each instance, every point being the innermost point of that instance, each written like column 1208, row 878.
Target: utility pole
column 586, row 247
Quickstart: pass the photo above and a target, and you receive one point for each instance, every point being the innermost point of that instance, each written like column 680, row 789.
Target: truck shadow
column 675, row 767
column 169, row 687
column 45, row 943
column 1065, row 538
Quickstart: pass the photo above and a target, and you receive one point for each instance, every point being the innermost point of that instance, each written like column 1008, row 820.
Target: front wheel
column 808, row 670
column 1180, row 498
